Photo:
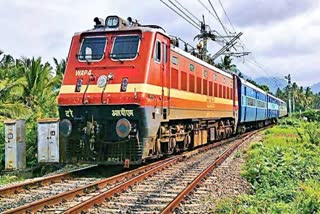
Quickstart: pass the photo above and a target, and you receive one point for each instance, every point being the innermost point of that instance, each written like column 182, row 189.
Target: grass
column 5, row 179
column 284, row 172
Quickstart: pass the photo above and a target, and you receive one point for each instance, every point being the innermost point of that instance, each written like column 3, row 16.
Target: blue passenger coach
column 253, row 102
column 257, row 108
column 273, row 107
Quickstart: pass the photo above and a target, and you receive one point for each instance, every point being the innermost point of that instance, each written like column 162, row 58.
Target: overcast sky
column 283, row 35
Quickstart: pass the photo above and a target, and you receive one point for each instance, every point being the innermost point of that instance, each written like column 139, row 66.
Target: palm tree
column 28, row 85
column 308, row 97
column 226, row 64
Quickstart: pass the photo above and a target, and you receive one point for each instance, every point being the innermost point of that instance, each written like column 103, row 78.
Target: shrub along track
column 154, row 187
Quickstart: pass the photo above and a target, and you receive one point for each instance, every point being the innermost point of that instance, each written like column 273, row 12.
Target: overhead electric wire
column 184, row 13
column 188, row 11
column 205, row 7
column 214, row 10
column 194, row 25
column 255, row 63
column 225, row 13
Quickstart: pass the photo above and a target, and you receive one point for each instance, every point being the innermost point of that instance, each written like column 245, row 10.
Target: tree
column 28, row 89
column 226, row 64
column 265, row 88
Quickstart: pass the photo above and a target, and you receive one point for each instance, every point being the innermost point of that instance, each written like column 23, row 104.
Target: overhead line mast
column 205, row 32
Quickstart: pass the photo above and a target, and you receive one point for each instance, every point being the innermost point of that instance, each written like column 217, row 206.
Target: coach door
column 163, row 48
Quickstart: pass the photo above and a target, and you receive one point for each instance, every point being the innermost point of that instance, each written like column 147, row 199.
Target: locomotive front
column 101, row 117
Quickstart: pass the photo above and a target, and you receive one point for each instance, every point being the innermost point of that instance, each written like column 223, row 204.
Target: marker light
column 102, row 81
column 124, row 84
column 79, row 85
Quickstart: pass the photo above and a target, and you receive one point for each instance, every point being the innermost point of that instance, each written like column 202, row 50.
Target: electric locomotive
column 130, row 93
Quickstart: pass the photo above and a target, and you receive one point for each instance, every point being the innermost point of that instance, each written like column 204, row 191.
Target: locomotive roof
column 138, row 28
column 159, row 30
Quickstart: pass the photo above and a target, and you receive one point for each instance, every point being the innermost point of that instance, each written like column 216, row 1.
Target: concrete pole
column 289, row 93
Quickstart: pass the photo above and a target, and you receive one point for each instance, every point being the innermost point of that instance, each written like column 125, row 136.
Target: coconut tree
column 308, row 97
column 226, row 64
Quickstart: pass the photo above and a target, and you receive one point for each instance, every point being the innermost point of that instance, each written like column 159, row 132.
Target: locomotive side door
column 166, row 76
column 163, row 48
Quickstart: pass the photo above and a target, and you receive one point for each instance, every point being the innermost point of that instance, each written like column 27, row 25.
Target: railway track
column 159, row 186
column 25, row 192
column 165, row 190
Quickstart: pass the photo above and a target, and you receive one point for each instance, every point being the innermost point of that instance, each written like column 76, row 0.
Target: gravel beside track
column 150, row 194
column 223, row 182
column 36, row 190
column 39, row 192
column 154, row 193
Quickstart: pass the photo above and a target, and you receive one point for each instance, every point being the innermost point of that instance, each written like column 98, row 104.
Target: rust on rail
column 177, row 200
column 68, row 195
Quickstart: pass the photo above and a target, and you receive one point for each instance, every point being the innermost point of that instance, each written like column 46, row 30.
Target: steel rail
column 177, row 200
column 58, row 198
column 14, row 189
column 122, row 181
column 99, row 199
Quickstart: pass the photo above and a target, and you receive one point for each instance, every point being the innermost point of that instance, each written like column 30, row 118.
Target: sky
column 283, row 36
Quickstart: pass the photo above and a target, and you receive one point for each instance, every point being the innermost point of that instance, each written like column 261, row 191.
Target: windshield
column 125, row 47
column 92, row 48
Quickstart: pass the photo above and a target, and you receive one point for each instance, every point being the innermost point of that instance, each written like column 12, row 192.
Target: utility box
column 48, row 140
column 15, row 144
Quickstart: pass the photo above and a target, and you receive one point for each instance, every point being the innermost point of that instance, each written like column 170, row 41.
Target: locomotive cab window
column 157, row 52
column 92, row 48
column 165, row 53
column 125, row 47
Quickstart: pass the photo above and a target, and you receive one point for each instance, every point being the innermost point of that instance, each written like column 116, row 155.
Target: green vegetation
column 284, row 172
column 28, row 90
column 5, row 179
column 304, row 99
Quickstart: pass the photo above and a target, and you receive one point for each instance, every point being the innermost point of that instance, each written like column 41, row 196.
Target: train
column 130, row 94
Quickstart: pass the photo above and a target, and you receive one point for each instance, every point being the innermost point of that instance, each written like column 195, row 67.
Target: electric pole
column 289, row 93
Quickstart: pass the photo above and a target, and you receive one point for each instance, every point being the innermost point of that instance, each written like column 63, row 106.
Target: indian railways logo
column 83, row 72
column 122, row 112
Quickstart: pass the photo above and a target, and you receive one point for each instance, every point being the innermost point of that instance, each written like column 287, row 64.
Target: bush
column 284, row 172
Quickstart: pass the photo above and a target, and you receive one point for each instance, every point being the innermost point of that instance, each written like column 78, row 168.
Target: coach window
column 174, row 60
column 251, row 101
column 157, row 52
column 205, row 74
column 192, row 67
column 215, row 77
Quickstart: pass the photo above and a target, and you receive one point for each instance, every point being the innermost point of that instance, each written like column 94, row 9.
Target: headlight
column 102, row 81
column 65, row 127
column 123, row 128
column 112, row 21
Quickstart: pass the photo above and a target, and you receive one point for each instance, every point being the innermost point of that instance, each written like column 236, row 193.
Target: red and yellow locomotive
column 129, row 93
